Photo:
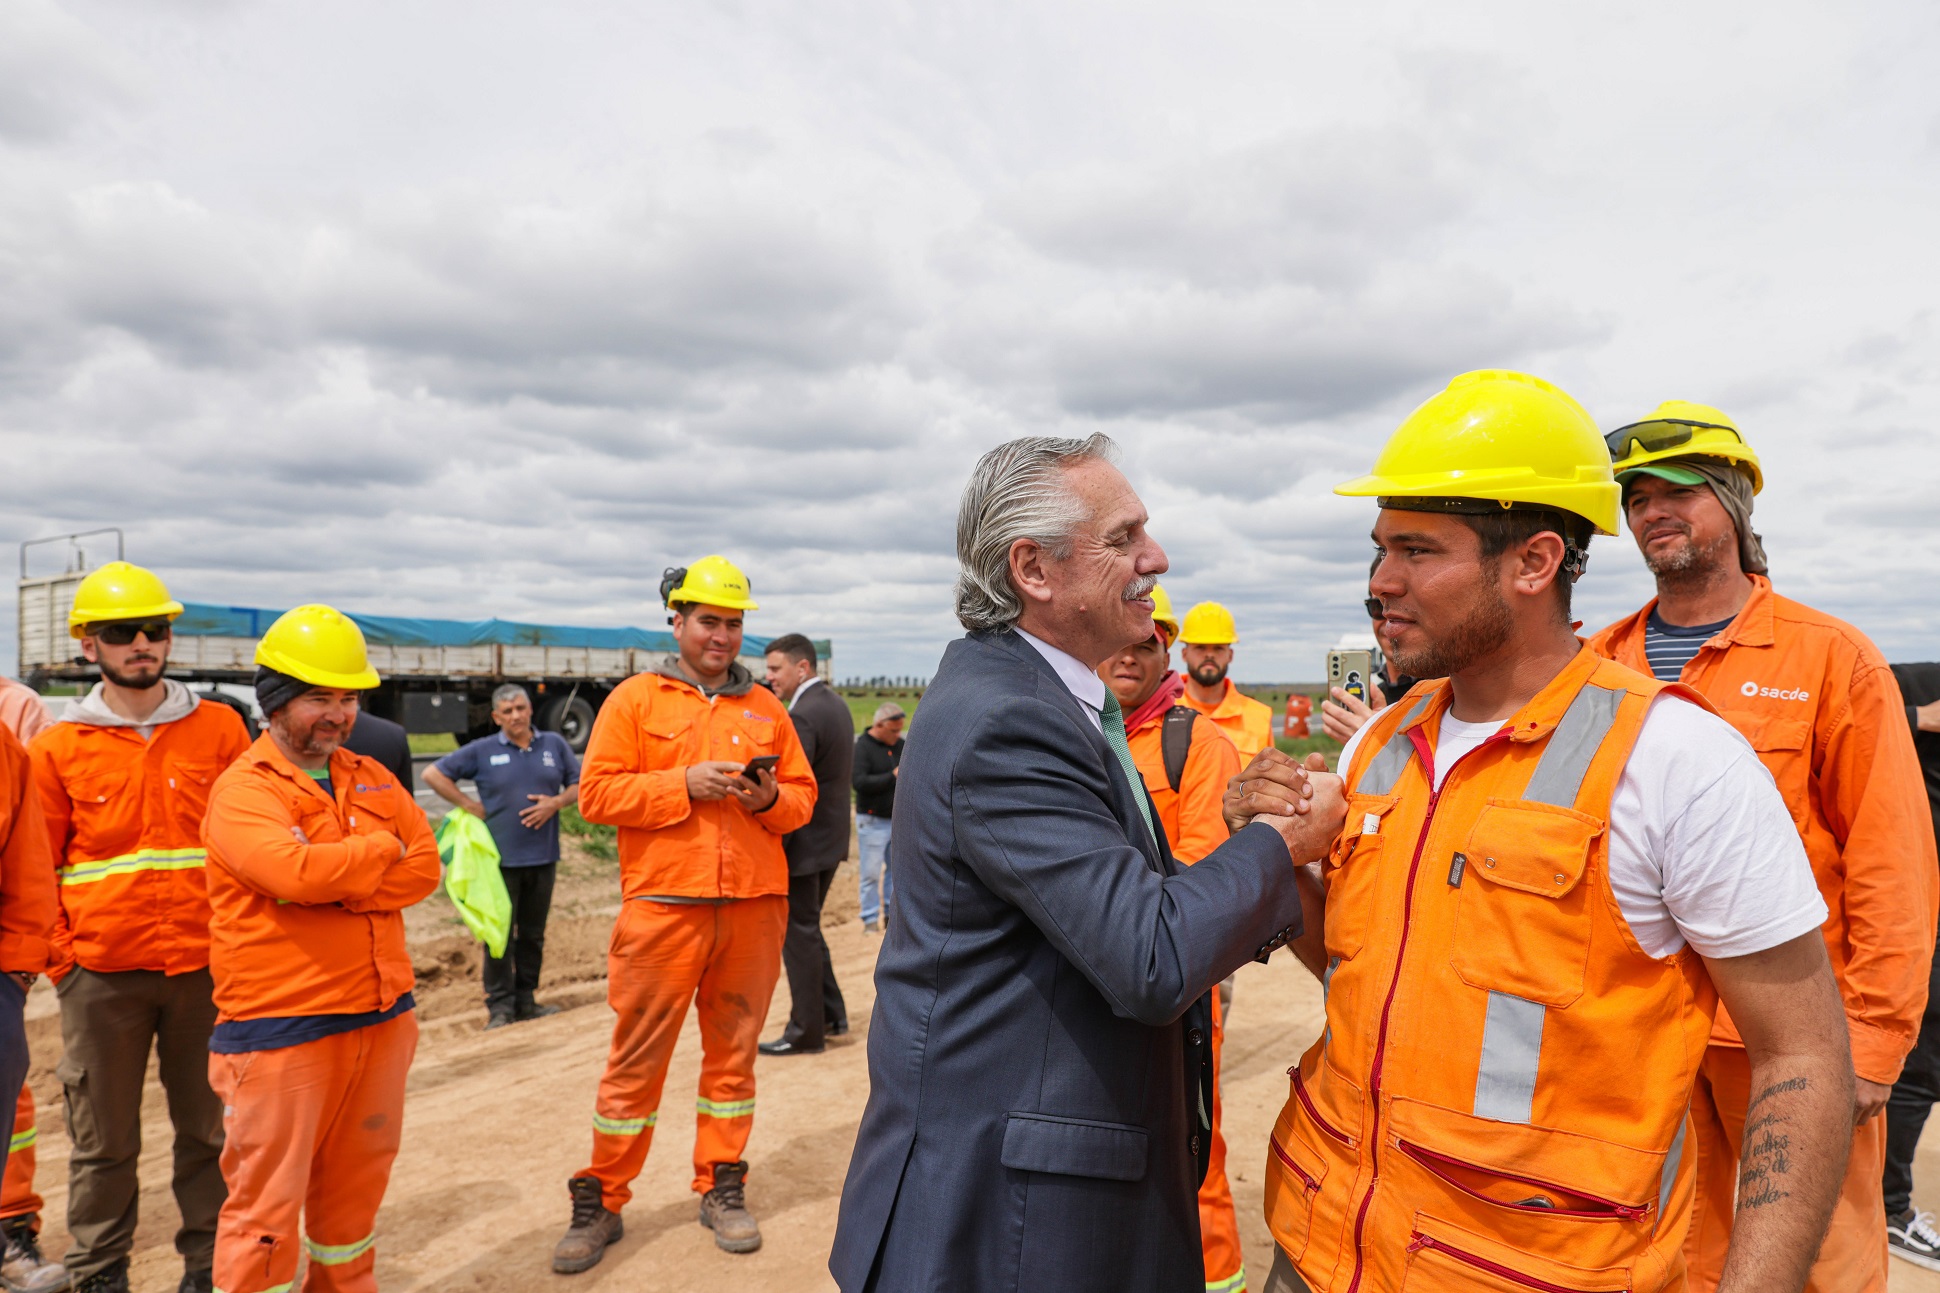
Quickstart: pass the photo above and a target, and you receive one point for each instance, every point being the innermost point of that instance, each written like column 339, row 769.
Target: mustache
column 1141, row 587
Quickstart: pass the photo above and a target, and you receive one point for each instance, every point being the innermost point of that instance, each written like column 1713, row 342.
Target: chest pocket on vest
column 1523, row 925
column 98, row 803
column 188, row 792
column 1353, row 873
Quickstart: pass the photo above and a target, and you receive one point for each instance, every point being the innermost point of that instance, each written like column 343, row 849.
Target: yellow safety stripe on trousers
column 22, row 1139
column 279, row 1288
column 1232, row 1284
column 129, row 863
column 624, row 1126
column 337, row 1254
column 725, row 1108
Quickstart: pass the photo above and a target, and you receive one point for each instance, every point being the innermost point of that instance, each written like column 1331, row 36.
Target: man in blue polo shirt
column 524, row 778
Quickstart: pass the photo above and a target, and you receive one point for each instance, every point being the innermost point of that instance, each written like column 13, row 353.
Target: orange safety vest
column 124, row 816
column 1499, row 1099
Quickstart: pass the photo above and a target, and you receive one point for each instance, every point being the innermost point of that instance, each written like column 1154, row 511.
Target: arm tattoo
column 1767, row 1159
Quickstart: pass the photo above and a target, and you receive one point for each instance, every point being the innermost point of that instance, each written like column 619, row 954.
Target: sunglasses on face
column 1374, row 608
column 1659, row 434
column 122, row 633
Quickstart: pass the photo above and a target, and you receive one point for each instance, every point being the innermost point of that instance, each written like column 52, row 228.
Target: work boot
column 23, row 1268
column 498, row 1017
column 533, row 1010
column 593, row 1228
column 203, row 1281
column 724, row 1210
column 112, row 1280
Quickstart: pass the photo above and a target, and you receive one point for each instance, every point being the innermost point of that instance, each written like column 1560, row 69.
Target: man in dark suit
column 1040, row 1078
column 822, row 719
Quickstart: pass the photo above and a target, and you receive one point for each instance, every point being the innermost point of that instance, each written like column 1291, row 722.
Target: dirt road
column 496, row 1122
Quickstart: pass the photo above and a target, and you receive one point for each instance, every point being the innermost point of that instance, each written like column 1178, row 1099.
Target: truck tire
column 572, row 717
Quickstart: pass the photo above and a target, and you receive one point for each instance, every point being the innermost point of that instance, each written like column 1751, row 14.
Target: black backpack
column 1175, row 742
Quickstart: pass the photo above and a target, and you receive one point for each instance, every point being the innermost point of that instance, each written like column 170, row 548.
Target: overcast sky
column 479, row 309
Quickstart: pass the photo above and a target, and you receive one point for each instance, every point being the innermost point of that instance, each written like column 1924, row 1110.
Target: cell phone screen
column 756, row 766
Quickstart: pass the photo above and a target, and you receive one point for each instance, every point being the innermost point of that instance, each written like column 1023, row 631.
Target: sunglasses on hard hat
column 1659, row 434
column 1374, row 608
column 123, row 632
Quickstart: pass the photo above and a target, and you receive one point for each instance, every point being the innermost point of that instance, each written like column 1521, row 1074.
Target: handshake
column 1305, row 803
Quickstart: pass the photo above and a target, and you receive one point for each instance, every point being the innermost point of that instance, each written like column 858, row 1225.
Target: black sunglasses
column 1658, row 434
column 122, row 632
column 1374, row 608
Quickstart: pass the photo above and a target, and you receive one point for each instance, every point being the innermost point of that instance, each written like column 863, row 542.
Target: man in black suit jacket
column 1039, row 1070
column 822, row 719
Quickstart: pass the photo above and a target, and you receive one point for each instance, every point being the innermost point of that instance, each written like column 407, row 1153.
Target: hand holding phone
column 758, row 765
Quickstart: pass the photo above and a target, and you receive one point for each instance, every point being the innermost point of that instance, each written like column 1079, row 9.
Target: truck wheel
column 571, row 717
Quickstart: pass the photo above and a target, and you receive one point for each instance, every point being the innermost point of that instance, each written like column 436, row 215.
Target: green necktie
column 1112, row 719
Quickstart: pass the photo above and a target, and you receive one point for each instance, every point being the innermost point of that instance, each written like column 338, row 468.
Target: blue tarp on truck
column 199, row 619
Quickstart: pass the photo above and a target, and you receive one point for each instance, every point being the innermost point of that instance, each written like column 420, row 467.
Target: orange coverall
column 1248, row 723
column 22, row 711
column 1194, row 827
column 704, row 888
column 28, row 910
column 1820, row 706
column 307, row 892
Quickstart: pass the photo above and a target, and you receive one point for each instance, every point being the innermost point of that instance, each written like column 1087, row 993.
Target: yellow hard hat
column 321, row 645
column 1209, row 624
column 1500, row 437
column 1162, row 614
column 119, row 591
column 1680, row 429
column 711, row 581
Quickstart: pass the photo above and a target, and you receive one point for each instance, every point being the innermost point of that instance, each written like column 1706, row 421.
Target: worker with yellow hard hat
column 1185, row 764
column 1818, row 702
column 1207, row 639
column 1553, row 867
column 124, row 781
column 702, row 772
column 314, row 853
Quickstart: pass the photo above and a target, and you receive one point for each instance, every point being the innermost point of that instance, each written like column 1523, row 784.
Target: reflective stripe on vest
column 1672, row 1161
column 1386, row 767
column 624, row 1126
column 1512, row 1034
column 129, row 863
column 22, row 1139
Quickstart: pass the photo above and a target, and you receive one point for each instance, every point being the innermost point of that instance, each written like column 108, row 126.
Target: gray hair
column 887, row 710
column 506, row 691
column 1018, row 491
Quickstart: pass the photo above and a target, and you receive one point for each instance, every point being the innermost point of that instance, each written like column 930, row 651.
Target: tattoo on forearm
column 1767, row 1162
column 1776, row 1088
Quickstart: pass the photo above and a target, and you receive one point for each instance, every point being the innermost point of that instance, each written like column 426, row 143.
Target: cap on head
column 1209, row 624
column 711, row 581
column 1500, row 437
column 320, row 645
column 1162, row 617
column 119, row 591
column 1680, row 429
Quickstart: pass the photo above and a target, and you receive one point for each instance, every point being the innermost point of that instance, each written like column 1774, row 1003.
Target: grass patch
column 433, row 742
column 864, row 700
column 602, row 842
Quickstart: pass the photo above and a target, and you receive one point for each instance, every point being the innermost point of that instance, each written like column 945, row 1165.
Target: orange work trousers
column 1218, row 1220
column 311, row 1131
column 1853, row 1257
column 722, row 957
column 17, row 1197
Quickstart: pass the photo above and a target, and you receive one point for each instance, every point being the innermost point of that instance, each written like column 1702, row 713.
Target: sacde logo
column 1774, row 693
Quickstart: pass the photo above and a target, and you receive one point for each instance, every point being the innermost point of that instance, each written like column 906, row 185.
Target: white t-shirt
column 1702, row 848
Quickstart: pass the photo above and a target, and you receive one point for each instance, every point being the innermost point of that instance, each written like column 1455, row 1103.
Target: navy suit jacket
column 1039, row 1063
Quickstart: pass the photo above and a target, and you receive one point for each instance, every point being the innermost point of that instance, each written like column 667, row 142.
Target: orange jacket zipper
column 1298, row 1170
column 1497, row 1269
column 1306, row 1102
column 1613, row 1211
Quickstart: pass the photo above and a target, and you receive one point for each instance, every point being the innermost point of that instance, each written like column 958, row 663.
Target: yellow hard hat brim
column 361, row 681
column 78, row 628
column 1598, row 501
column 725, row 603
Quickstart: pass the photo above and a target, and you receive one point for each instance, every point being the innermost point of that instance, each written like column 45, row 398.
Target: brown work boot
column 23, row 1269
column 724, row 1210
column 593, row 1228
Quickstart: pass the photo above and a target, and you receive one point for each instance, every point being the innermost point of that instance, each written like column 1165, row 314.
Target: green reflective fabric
column 337, row 1254
column 129, row 863
column 725, row 1108
column 472, row 879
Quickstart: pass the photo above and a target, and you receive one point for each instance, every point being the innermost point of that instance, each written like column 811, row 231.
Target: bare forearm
column 445, row 787
column 1798, row 1131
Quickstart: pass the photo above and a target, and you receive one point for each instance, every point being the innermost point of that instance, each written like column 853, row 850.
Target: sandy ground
column 496, row 1122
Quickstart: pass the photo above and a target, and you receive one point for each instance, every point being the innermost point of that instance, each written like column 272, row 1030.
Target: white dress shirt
column 1083, row 683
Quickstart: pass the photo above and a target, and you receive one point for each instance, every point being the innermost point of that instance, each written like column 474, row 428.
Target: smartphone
column 757, row 766
column 1352, row 672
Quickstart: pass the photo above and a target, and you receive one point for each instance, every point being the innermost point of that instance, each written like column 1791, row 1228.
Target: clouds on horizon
column 478, row 310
